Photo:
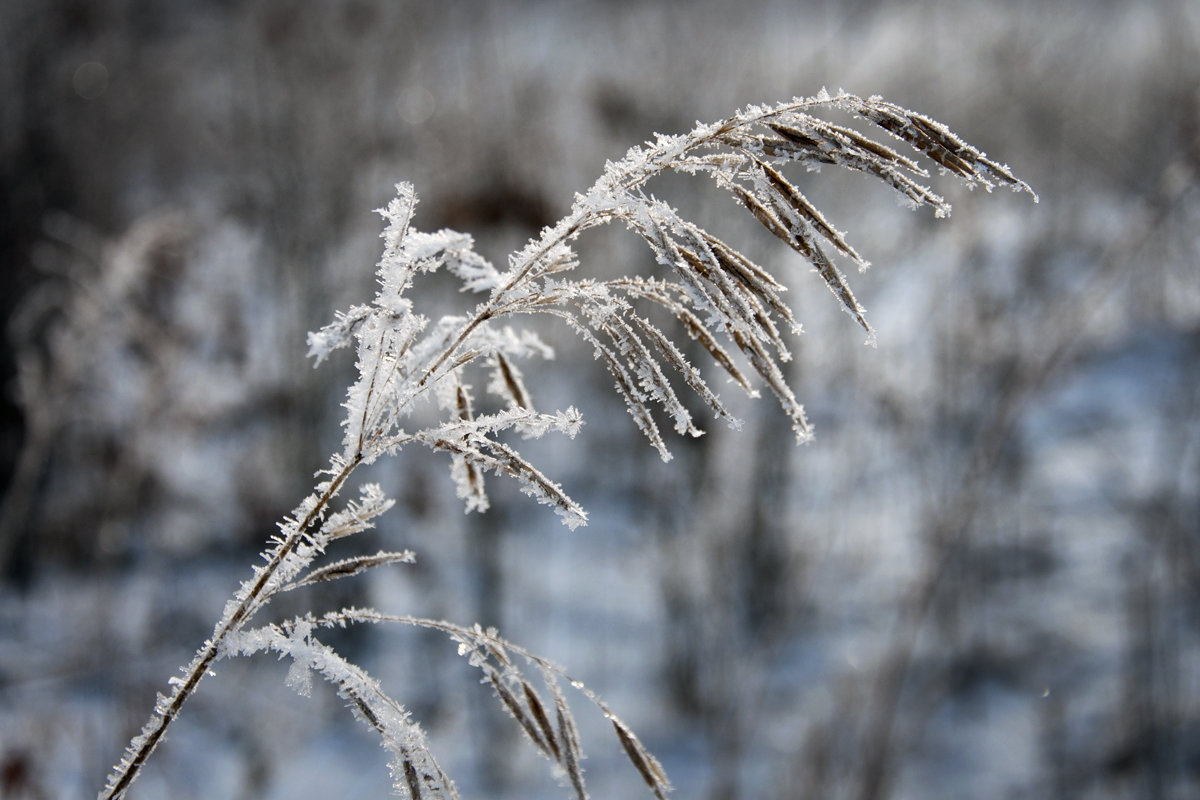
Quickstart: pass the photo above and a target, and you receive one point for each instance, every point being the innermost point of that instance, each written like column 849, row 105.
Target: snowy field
column 981, row 579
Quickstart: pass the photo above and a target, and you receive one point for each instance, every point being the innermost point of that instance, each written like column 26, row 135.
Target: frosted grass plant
column 467, row 365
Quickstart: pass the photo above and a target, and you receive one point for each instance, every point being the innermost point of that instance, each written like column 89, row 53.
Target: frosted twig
column 714, row 293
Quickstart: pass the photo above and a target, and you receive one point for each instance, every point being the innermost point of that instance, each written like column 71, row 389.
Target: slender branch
column 142, row 747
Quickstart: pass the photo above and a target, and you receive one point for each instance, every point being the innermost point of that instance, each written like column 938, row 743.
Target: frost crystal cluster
column 732, row 307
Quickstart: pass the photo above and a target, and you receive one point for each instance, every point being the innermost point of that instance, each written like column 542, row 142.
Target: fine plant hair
column 731, row 306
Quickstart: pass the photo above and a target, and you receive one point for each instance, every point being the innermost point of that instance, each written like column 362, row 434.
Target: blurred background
column 982, row 579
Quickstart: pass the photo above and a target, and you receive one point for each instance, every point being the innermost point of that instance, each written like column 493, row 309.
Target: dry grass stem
column 730, row 305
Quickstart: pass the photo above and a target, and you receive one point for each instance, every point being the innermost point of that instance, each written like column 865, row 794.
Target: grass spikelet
column 515, row 386
column 517, row 712
column 807, row 211
column 571, row 752
column 412, row 780
column 355, row 565
column 645, row 763
column 539, row 714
